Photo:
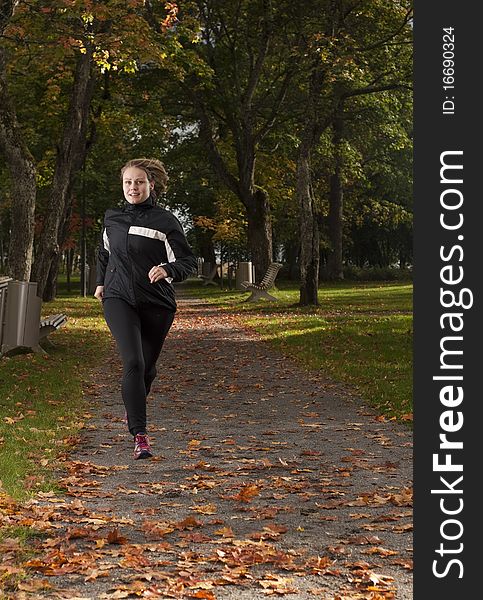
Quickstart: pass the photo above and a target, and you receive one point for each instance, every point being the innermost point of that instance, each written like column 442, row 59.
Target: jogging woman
column 143, row 250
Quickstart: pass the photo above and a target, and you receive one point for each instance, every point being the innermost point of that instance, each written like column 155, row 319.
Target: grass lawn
column 361, row 334
column 41, row 401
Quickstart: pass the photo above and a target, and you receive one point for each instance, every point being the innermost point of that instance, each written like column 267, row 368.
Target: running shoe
column 142, row 449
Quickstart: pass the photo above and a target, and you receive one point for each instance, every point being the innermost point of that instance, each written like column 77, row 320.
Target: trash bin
column 22, row 316
column 244, row 272
column 3, row 302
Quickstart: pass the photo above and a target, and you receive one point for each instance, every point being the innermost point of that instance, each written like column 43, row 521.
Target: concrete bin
column 4, row 281
column 23, row 307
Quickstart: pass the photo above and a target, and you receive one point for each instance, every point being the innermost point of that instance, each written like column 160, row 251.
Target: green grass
column 41, row 401
column 361, row 334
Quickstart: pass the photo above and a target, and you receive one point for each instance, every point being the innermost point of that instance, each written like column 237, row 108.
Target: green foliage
column 150, row 56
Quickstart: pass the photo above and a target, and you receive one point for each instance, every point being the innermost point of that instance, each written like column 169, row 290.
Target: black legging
column 139, row 333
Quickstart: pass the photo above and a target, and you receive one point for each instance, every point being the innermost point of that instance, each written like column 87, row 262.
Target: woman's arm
column 184, row 263
column 101, row 263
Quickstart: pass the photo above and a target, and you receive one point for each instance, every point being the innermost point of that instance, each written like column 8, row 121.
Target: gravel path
column 267, row 480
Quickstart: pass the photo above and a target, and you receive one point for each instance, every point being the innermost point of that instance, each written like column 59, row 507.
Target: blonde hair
column 154, row 170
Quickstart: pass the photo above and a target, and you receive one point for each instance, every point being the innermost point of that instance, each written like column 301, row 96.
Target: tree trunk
column 22, row 171
column 2, row 264
column 255, row 200
column 291, row 255
column 206, row 247
column 259, row 232
column 50, row 289
column 68, row 267
column 70, row 157
column 336, row 208
column 309, row 229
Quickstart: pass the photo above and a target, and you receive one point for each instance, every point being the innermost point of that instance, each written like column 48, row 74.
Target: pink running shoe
column 142, row 449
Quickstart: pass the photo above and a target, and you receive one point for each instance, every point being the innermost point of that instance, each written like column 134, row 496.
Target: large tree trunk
column 259, row 232
column 255, row 200
column 309, row 229
column 50, row 289
column 205, row 245
column 22, row 171
column 336, row 208
column 70, row 156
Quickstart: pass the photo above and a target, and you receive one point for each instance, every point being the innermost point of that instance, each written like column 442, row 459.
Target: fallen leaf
column 114, row 537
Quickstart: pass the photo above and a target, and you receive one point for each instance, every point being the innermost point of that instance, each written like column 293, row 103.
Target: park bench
column 260, row 290
column 48, row 325
column 21, row 328
column 207, row 279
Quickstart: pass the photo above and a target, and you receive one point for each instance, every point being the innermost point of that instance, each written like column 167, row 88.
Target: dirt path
column 267, row 480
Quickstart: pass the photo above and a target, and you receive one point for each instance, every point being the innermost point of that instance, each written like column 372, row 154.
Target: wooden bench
column 50, row 324
column 260, row 290
column 207, row 279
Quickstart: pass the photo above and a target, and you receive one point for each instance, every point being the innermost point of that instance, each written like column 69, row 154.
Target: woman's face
column 136, row 185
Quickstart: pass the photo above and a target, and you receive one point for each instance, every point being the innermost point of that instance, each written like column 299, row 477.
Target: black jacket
column 135, row 239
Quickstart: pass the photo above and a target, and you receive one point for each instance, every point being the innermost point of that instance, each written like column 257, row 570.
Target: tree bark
column 70, row 157
column 309, row 228
column 50, row 289
column 68, row 267
column 260, row 245
column 335, row 265
column 22, row 171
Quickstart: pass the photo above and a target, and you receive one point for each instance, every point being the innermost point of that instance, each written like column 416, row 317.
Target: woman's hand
column 99, row 293
column 156, row 274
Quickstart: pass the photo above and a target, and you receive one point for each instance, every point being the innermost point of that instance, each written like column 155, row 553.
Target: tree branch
column 206, row 134
column 407, row 17
column 373, row 90
column 262, row 53
column 265, row 128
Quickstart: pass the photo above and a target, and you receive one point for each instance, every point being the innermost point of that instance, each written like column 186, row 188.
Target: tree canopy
column 285, row 129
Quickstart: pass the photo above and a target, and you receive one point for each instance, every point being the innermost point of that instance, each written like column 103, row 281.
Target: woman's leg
column 155, row 325
column 125, row 325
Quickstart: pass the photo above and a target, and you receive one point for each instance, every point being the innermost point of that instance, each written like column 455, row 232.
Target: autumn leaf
column 380, row 551
column 363, row 539
column 247, row 493
column 226, row 532
column 204, row 594
column 114, row 537
column 155, row 530
column 188, row 523
column 276, row 584
column 34, row 585
column 204, row 509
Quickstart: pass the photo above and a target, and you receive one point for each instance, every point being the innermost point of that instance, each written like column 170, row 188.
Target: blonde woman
column 143, row 250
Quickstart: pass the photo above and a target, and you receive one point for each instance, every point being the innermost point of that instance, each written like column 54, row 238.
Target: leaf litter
column 250, row 464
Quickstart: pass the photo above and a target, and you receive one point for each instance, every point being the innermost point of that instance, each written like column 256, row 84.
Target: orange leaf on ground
column 205, row 594
column 188, row 523
column 247, row 493
column 114, row 537
column 226, row 532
